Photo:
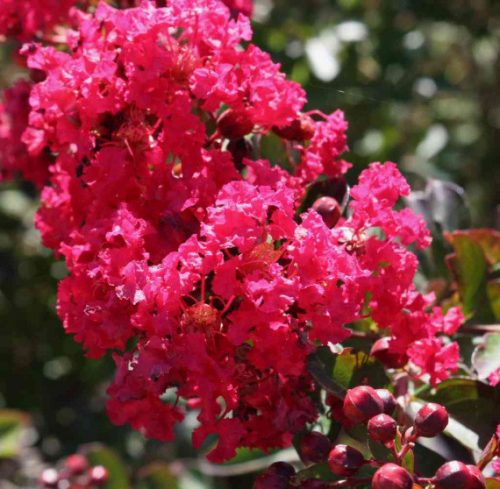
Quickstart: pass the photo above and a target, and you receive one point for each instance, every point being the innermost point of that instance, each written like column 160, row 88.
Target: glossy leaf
column 353, row 368
column 486, row 356
column 471, row 403
column 470, row 269
column 321, row 373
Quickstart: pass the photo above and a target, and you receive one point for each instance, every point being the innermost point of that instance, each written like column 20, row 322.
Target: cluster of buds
column 374, row 408
column 75, row 473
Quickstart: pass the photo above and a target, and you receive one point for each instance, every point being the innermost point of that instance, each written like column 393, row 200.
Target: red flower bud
column 344, row 460
column 76, row 464
column 99, row 475
column 277, row 476
column 239, row 149
column 454, row 475
column 431, row 420
column 392, row 476
column 476, row 478
column 234, row 125
column 382, row 428
column 329, row 209
column 301, row 129
column 388, row 400
column 382, row 351
column 282, row 469
column 362, row 403
column 49, row 478
column 314, row 448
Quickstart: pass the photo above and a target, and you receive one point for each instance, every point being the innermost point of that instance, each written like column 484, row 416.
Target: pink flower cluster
column 188, row 257
column 27, row 19
column 15, row 158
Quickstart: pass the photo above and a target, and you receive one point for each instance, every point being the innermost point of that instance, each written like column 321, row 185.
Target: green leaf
column 473, row 404
column 471, row 268
column 355, row 368
column 321, row 374
column 486, row 356
column 427, row 461
column 100, row 455
column 380, row 451
column 487, row 239
column 493, row 290
column 12, row 427
column 408, row 461
column 156, row 476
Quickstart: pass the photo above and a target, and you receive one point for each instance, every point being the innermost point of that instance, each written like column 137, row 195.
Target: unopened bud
column 314, row 448
column 301, row 129
column 99, row 475
column 362, row 403
column 386, row 355
column 392, row 476
column 49, row 478
column 431, row 420
column 76, row 464
column 388, row 400
column 329, row 209
column 382, row 428
column 454, row 475
column 344, row 460
column 234, row 125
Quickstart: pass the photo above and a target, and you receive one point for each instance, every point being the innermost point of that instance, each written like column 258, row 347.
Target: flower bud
column 454, row 475
column 362, row 403
column 431, row 420
column 382, row 428
column 382, row 351
column 388, row 400
column 344, row 460
column 240, row 149
column 277, row 476
column 76, row 464
column 301, row 129
column 282, row 469
column 476, row 477
column 314, row 448
column 329, row 209
column 99, row 475
column 392, row 476
column 49, row 478
column 234, row 125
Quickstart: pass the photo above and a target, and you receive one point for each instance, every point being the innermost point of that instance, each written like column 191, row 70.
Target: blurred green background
column 419, row 81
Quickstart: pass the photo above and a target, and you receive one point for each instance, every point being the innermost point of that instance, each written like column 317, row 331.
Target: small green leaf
column 356, row 368
column 471, row 268
column 380, row 451
column 486, row 356
column 100, row 455
column 322, row 376
column 12, row 426
column 408, row 461
column 156, row 476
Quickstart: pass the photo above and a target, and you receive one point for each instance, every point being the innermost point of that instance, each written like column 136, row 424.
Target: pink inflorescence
column 26, row 20
column 15, row 158
column 188, row 258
